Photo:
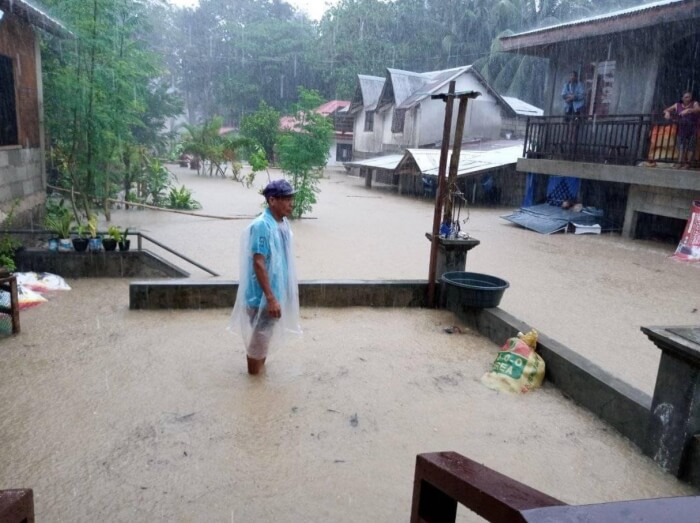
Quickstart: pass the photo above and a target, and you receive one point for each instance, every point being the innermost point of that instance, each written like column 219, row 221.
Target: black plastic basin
column 473, row 289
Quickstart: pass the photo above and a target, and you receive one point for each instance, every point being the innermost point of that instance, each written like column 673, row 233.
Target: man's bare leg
column 255, row 366
column 258, row 346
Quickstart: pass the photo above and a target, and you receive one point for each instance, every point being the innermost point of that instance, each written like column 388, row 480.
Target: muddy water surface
column 117, row 415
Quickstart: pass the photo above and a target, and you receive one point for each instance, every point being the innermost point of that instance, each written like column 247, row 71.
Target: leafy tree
column 303, row 153
column 100, row 94
column 262, row 127
column 207, row 143
column 230, row 54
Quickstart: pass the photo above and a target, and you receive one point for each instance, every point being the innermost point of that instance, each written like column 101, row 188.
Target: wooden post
column 456, row 150
column 449, row 101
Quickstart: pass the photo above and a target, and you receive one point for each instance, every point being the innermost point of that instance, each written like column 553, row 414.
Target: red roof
column 291, row 123
column 331, row 107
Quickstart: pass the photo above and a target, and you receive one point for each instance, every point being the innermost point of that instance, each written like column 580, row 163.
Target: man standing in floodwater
column 267, row 302
column 573, row 95
column 687, row 113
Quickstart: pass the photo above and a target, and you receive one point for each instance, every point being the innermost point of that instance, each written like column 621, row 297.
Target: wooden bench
column 17, row 506
column 443, row 479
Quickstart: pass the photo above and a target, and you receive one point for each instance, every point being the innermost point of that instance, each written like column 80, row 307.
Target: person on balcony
column 574, row 97
column 687, row 115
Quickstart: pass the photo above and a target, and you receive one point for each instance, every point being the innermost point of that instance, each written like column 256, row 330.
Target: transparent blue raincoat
column 262, row 335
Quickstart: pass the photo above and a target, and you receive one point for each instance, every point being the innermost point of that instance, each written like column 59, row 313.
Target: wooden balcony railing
column 619, row 139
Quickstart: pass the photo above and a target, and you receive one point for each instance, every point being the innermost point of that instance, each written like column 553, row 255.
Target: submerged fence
column 619, row 139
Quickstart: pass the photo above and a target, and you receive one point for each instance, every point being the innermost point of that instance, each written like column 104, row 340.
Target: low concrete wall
column 208, row 294
column 624, row 407
column 619, row 404
column 116, row 264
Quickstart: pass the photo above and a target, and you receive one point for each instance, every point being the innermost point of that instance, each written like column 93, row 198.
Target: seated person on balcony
column 574, row 96
column 687, row 114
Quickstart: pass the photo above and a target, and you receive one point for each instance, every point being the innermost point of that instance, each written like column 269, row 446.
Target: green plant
column 182, row 199
column 115, row 233
column 59, row 223
column 80, row 230
column 157, row 178
column 92, row 226
column 9, row 244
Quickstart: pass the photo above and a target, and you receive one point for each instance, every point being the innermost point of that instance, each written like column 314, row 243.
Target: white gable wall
column 392, row 142
column 424, row 123
column 483, row 119
column 366, row 144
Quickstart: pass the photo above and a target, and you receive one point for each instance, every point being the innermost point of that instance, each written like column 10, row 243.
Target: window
column 8, row 107
column 343, row 152
column 397, row 120
column 369, row 121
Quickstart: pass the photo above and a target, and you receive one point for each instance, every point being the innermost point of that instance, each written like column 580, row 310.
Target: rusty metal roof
column 33, row 15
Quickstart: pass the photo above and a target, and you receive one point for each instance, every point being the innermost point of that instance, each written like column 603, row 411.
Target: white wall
column 367, row 143
column 483, row 118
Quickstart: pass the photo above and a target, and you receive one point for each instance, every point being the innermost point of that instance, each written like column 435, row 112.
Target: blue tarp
column 562, row 188
column 547, row 219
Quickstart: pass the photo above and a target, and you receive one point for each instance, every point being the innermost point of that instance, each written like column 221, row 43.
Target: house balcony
column 618, row 140
column 630, row 159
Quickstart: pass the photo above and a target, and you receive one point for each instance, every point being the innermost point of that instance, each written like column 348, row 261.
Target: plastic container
column 473, row 289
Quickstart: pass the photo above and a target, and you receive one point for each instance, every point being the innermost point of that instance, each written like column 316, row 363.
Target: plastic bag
column 518, row 368
column 41, row 281
column 28, row 298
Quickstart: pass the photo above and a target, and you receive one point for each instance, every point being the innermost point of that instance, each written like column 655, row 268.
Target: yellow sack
column 518, row 368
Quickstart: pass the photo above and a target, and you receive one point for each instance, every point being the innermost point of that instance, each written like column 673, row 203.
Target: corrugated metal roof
column 470, row 162
column 387, row 163
column 434, row 81
column 428, row 160
column 620, row 13
column 522, row 108
column 370, row 88
column 33, row 15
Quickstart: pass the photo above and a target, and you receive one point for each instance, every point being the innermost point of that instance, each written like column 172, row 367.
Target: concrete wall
column 662, row 201
column 22, row 188
column 116, row 264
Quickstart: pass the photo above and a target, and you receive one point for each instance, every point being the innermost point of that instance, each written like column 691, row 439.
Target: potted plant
column 60, row 223
column 124, row 242
column 114, row 236
column 95, row 242
column 80, row 242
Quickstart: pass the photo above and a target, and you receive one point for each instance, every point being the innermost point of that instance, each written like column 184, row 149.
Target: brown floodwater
column 118, row 415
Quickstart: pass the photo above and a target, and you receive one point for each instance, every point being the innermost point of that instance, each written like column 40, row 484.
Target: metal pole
column 449, row 101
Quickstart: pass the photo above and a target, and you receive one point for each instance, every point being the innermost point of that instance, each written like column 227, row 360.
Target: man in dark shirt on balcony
column 573, row 95
column 687, row 114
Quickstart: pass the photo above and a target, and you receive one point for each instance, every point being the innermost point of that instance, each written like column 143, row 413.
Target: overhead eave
column 538, row 41
column 36, row 17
